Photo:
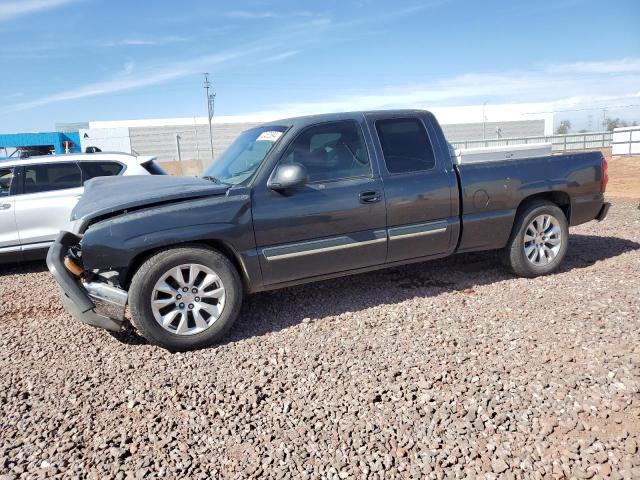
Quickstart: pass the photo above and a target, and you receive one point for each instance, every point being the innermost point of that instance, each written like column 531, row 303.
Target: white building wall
column 115, row 139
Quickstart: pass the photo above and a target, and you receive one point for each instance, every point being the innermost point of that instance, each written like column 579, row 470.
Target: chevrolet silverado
column 307, row 199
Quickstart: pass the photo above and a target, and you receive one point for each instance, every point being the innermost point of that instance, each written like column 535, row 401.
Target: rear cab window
column 405, row 145
column 51, row 176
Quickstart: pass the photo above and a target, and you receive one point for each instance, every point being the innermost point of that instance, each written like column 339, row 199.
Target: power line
column 609, row 107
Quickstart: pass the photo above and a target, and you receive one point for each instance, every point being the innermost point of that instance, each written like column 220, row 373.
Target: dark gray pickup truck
column 307, row 199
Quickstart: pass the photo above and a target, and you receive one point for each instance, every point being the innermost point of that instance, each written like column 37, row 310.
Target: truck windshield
column 238, row 162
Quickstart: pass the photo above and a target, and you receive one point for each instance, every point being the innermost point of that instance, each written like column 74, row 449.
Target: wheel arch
column 512, row 254
column 211, row 244
column 561, row 199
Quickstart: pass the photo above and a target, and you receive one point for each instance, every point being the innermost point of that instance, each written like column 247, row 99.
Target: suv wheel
column 185, row 298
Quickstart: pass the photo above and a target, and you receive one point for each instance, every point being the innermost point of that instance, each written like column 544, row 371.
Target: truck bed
column 491, row 191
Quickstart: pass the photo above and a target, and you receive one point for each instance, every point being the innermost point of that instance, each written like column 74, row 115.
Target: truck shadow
column 33, row 266
column 272, row 311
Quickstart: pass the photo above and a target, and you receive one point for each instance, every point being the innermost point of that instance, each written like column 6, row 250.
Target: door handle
column 370, row 197
column 5, row 206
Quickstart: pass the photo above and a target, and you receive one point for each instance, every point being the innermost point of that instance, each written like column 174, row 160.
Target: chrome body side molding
column 314, row 247
column 418, row 230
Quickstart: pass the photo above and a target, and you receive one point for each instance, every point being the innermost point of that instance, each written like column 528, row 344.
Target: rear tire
column 185, row 298
column 539, row 240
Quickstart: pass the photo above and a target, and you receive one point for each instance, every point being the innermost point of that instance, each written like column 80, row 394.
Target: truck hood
column 106, row 196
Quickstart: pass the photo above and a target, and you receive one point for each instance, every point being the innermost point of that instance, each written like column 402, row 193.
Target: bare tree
column 615, row 123
column 565, row 126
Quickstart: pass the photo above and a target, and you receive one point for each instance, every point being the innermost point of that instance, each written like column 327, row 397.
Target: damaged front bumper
column 95, row 303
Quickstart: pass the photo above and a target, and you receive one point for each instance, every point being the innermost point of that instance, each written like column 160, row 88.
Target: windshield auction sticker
column 269, row 136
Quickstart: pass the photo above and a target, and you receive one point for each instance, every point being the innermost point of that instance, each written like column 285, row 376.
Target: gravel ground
column 453, row 368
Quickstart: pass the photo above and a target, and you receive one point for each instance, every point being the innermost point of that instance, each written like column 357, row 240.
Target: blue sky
column 79, row 60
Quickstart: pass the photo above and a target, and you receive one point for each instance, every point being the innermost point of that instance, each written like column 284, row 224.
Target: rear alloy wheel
column 542, row 240
column 538, row 241
column 185, row 298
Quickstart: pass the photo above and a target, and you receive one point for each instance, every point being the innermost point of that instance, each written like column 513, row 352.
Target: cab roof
column 330, row 117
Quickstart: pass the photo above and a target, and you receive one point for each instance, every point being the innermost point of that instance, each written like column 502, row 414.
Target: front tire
column 185, row 298
column 539, row 240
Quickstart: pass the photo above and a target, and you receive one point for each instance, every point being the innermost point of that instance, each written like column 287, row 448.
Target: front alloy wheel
column 185, row 298
column 188, row 299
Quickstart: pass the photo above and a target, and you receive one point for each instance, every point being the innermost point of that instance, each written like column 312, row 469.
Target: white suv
column 37, row 195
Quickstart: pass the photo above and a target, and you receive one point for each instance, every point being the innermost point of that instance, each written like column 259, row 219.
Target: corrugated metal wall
column 474, row 131
column 173, row 143
column 192, row 142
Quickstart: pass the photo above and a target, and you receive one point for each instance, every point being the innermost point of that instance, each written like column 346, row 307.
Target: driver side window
column 330, row 151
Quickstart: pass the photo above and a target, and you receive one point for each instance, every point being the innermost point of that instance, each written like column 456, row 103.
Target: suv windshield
column 238, row 162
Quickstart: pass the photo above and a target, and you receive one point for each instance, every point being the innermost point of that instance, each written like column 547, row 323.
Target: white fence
column 626, row 141
column 560, row 143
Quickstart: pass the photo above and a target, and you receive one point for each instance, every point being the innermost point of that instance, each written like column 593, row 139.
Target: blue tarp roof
column 57, row 139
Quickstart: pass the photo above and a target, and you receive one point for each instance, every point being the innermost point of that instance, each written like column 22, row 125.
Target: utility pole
column 210, row 105
column 484, row 122
column 604, row 119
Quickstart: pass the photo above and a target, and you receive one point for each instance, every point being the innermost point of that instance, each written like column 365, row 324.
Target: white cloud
column 279, row 56
column 564, row 84
column 258, row 14
column 12, row 96
column 131, row 41
column 129, row 67
column 10, row 9
column 624, row 65
column 592, row 83
column 125, row 80
column 245, row 15
column 146, row 41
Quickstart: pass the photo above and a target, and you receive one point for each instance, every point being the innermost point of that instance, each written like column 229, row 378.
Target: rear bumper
column 585, row 208
column 602, row 214
column 95, row 303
